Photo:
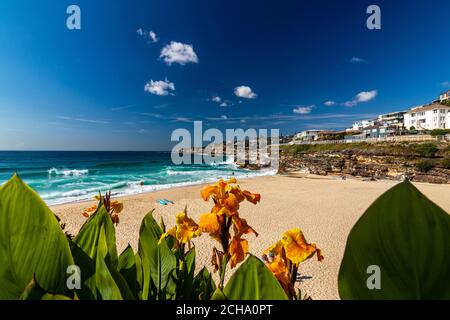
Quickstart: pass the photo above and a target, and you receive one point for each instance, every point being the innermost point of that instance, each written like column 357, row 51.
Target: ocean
column 69, row 176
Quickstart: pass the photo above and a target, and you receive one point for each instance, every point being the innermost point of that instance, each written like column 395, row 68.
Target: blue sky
column 272, row 64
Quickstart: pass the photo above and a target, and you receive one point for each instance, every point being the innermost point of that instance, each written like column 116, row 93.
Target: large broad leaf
column 88, row 289
column 128, row 270
column 203, row 285
column 407, row 237
column 89, row 234
column 253, row 281
column 158, row 261
column 31, row 242
column 139, row 276
column 34, row 291
column 187, row 276
column 104, row 280
column 95, row 252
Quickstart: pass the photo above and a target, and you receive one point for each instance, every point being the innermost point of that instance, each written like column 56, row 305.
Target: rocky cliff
column 370, row 163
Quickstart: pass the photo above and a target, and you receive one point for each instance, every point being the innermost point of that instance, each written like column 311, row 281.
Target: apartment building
column 430, row 117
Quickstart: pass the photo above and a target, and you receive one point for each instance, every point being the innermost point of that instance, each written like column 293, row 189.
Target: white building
column 434, row 116
column 359, row 125
column 307, row 135
column 444, row 96
column 393, row 119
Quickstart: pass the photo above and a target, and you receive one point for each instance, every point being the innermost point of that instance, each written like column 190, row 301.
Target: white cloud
column 366, row 96
column 160, row 88
column 82, row 120
column 182, row 119
column 225, row 104
column 216, row 99
column 362, row 97
column 224, row 117
column 356, row 60
column 245, row 92
column 148, row 35
column 350, row 103
column 142, row 131
column 153, row 36
column 177, row 52
column 303, row 109
column 329, row 103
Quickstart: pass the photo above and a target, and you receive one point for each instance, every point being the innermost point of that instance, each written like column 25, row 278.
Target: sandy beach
column 324, row 208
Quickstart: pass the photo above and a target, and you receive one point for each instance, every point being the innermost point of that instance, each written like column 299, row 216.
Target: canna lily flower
column 237, row 251
column 284, row 257
column 116, row 206
column 185, row 230
column 241, row 227
column 113, row 207
column 89, row 211
column 297, row 248
column 280, row 270
column 225, row 213
column 209, row 222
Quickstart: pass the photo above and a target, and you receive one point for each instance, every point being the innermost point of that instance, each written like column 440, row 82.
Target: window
column 442, row 110
column 435, row 111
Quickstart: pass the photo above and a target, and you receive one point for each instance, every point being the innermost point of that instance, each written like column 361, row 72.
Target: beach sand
column 324, row 208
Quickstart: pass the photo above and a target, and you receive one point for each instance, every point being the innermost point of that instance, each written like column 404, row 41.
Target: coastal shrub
column 41, row 263
column 427, row 150
column 398, row 249
column 445, row 163
column 425, row 166
column 439, row 132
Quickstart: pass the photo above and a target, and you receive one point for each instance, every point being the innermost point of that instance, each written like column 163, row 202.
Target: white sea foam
column 68, row 172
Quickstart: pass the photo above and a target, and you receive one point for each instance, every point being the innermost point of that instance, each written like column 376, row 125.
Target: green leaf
column 34, row 291
column 408, row 237
column 88, row 236
column 203, row 285
column 104, row 280
column 127, row 268
column 88, row 289
column 96, row 255
column 158, row 261
column 31, row 242
column 218, row 295
column 253, row 281
column 139, row 275
column 188, row 275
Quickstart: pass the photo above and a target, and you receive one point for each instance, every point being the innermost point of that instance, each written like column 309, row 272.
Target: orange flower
column 116, row 206
column 283, row 258
column 241, row 227
column 185, row 230
column 297, row 248
column 89, row 211
column 209, row 223
column 281, row 272
column 113, row 207
column 237, row 251
column 225, row 213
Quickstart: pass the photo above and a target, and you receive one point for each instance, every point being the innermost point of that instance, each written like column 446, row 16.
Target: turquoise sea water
column 68, row 176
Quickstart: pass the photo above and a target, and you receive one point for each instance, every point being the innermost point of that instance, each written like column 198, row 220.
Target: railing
column 411, row 138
